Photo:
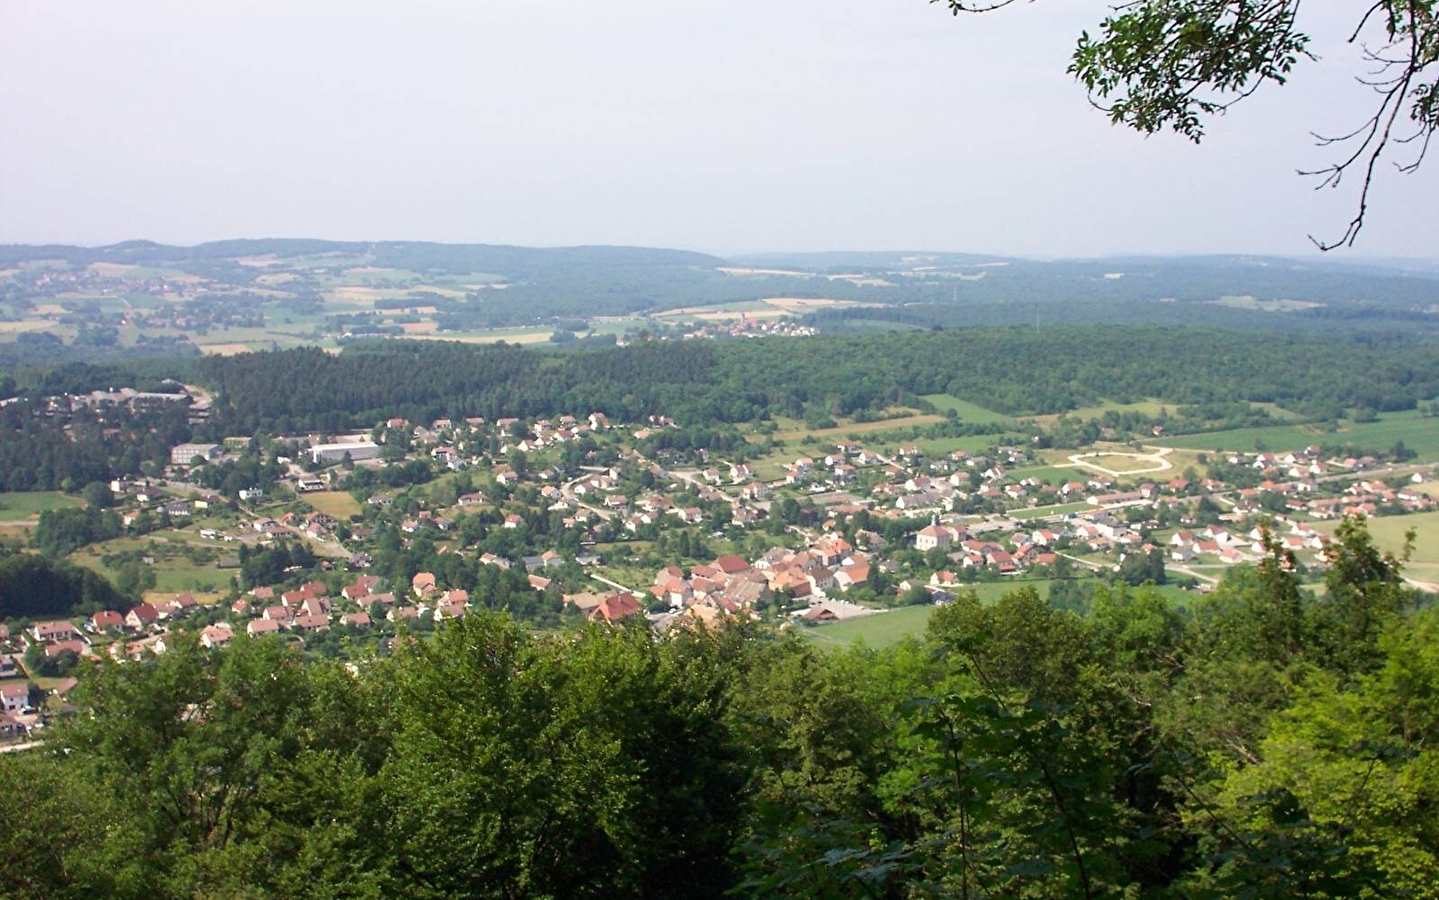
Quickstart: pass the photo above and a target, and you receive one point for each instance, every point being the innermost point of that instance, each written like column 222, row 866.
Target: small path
column 616, row 585
column 1157, row 460
column 1092, row 566
column 1186, row 570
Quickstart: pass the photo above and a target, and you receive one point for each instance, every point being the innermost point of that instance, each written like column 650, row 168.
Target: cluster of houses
column 749, row 326
column 1231, row 547
column 1357, row 498
column 825, row 567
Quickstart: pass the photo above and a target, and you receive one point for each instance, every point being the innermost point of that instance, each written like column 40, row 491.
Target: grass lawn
column 829, row 436
column 1388, row 533
column 204, row 598
column 1085, row 413
column 1055, row 475
column 29, row 504
column 1277, row 412
column 1040, row 512
column 974, row 443
column 882, row 630
column 1124, row 462
column 175, row 573
column 889, row 628
column 967, row 412
column 334, row 503
column 178, row 576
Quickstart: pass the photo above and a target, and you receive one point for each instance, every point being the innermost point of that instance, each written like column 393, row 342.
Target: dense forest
column 1265, row 742
column 1209, row 377
column 1011, row 370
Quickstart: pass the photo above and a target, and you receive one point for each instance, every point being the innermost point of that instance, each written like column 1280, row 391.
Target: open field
column 840, row 432
column 204, row 598
column 767, row 308
column 1120, row 464
column 1248, row 302
column 334, row 503
column 886, row 629
column 1040, row 512
column 737, row 270
column 973, row 443
column 1055, row 475
column 801, row 305
column 172, row 576
column 1277, row 412
column 508, row 335
column 1084, row 413
column 1388, row 533
column 877, row 631
column 175, row 571
column 722, row 311
column 967, row 412
column 27, row 505
column 1419, row 433
column 27, row 325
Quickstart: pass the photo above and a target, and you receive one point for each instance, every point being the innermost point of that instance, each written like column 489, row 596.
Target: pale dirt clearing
column 737, row 270
column 111, row 270
column 537, row 337
column 804, row 304
column 355, row 294
column 862, row 280
column 224, row 349
column 22, row 327
column 840, row 431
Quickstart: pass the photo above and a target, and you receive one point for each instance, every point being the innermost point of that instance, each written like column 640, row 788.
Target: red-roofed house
column 141, row 617
column 616, row 607
column 106, row 618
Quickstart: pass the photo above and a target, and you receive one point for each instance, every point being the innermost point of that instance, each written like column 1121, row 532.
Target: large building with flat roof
column 185, row 454
column 333, row 453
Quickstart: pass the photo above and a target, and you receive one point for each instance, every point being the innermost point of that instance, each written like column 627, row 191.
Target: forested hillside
column 1266, row 743
column 1015, row 370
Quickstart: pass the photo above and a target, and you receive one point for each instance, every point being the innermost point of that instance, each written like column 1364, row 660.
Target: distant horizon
column 1335, row 257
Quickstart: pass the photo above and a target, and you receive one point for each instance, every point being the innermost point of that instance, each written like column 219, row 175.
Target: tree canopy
column 1219, row 750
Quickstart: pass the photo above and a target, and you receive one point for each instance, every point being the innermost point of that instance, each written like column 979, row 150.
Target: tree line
column 1018, row 371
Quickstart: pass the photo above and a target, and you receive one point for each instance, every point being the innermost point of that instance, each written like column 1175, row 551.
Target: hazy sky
column 725, row 127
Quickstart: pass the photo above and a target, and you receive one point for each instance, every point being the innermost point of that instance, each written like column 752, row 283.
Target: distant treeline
column 1018, row 371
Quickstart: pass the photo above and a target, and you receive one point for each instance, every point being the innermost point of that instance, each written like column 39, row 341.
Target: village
column 608, row 522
